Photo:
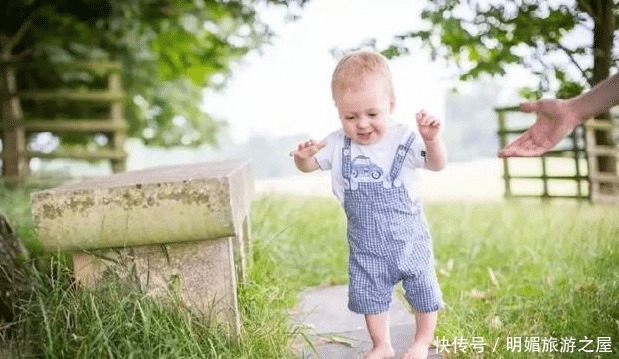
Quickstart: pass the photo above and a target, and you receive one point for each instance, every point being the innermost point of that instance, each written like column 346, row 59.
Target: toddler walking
column 373, row 164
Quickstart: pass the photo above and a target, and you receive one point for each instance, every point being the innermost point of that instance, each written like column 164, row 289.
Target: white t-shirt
column 375, row 160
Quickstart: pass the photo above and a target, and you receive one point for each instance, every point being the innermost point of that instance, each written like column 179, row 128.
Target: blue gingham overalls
column 389, row 240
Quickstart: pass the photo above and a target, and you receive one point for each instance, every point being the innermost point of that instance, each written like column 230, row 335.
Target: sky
column 286, row 89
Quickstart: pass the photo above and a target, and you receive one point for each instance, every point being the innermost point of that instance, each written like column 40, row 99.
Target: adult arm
column 557, row 118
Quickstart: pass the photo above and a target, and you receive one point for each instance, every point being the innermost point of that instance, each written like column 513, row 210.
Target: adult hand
column 555, row 120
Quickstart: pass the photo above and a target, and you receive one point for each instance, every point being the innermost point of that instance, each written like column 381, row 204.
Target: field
column 510, row 271
column 517, row 276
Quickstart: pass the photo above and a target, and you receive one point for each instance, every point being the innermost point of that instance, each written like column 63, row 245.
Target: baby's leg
column 378, row 328
column 424, row 335
column 424, row 294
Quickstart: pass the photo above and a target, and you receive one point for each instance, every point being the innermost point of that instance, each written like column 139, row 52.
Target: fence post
column 595, row 152
column 503, row 142
column 545, row 193
column 577, row 149
column 116, row 117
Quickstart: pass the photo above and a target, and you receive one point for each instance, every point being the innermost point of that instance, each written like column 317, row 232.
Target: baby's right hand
column 307, row 149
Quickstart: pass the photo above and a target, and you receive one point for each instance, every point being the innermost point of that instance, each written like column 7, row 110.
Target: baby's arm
column 304, row 156
column 436, row 153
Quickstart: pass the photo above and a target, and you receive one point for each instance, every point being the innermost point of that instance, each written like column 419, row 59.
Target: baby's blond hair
column 352, row 69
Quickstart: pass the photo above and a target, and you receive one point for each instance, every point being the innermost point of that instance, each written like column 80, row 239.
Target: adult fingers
column 530, row 106
column 523, row 146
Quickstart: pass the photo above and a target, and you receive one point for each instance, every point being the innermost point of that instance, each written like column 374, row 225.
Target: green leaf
column 481, row 38
column 169, row 51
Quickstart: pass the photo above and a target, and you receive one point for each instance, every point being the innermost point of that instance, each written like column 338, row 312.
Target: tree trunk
column 15, row 282
column 603, row 35
column 14, row 162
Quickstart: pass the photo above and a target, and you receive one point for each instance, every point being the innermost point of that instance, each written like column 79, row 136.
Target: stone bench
column 181, row 229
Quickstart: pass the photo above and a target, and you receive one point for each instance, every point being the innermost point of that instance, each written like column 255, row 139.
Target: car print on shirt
column 363, row 170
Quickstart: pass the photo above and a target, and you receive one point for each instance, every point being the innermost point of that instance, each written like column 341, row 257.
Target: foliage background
column 170, row 51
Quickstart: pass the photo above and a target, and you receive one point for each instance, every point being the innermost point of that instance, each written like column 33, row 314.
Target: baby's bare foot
column 417, row 351
column 383, row 352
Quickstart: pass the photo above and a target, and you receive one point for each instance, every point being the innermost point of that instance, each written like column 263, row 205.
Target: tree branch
column 584, row 5
column 570, row 54
column 15, row 39
column 22, row 55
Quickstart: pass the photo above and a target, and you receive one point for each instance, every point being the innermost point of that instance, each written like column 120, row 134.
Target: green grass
column 15, row 205
column 516, row 270
column 305, row 237
column 117, row 321
column 508, row 270
column 555, row 267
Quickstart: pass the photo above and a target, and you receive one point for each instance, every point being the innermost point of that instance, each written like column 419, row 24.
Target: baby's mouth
column 365, row 135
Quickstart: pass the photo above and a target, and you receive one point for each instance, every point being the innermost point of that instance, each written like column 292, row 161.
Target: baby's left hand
column 429, row 126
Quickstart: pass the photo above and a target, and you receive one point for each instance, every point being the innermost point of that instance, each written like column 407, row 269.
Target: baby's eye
column 349, row 117
column 372, row 114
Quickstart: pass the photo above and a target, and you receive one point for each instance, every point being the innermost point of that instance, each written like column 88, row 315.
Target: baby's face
column 364, row 111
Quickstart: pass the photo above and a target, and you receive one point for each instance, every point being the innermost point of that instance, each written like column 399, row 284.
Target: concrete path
column 337, row 333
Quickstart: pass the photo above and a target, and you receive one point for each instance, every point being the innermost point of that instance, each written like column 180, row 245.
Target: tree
column 567, row 44
column 15, row 283
column 170, row 51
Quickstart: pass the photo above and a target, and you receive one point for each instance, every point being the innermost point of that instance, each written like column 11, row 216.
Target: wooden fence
column 603, row 186
column 567, row 171
column 89, row 104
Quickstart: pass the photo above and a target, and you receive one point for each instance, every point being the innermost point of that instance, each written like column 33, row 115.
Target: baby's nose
column 363, row 122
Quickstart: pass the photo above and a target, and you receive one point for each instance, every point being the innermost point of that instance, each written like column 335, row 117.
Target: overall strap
column 400, row 156
column 346, row 163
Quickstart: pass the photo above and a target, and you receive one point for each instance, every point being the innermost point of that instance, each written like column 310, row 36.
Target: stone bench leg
column 202, row 273
column 181, row 230
column 243, row 249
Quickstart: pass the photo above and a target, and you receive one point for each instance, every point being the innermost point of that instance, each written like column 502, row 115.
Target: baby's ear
column 392, row 106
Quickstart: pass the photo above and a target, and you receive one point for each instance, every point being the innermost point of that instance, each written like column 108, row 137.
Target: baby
column 373, row 164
